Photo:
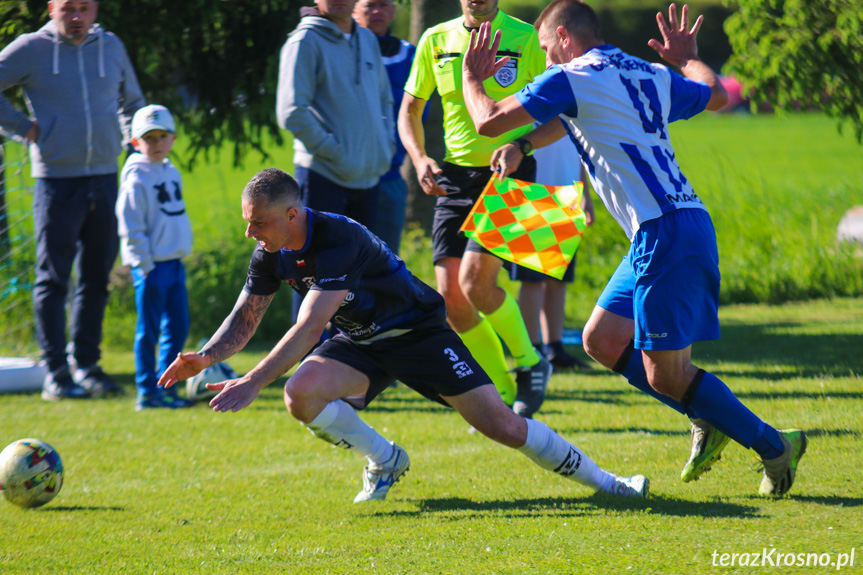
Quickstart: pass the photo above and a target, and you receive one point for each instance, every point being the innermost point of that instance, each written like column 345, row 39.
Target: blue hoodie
column 334, row 96
column 82, row 95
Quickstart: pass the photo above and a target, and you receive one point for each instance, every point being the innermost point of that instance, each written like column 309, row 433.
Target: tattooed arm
column 238, row 328
column 233, row 335
column 317, row 308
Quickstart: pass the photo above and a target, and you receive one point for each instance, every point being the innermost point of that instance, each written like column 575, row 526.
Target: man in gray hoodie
column 334, row 96
column 77, row 80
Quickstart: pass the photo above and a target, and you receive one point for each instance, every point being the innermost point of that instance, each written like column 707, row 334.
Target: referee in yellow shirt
column 479, row 310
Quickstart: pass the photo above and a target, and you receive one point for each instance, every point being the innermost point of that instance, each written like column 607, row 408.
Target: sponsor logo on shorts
column 657, row 335
column 460, row 367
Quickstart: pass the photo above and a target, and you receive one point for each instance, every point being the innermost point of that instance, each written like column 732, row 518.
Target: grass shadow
column 576, row 507
column 830, row 500
column 834, row 355
column 56, row 508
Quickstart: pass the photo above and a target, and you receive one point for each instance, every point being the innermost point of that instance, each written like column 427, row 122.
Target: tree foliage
column 801, row 54
column 214, row 64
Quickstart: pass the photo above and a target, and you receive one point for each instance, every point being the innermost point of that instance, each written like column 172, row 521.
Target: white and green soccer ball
column 31, row 472
column 196, row 389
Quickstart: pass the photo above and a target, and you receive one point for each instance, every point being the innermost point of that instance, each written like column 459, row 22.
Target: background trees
column 801, row 54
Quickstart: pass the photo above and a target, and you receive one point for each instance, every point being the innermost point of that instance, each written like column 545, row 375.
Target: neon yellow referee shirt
column 438, row 66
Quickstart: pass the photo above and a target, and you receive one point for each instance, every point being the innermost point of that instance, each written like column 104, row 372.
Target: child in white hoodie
column 155, row 235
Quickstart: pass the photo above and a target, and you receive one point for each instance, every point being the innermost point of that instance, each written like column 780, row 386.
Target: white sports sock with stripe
column 340, row 425
column 550, row 451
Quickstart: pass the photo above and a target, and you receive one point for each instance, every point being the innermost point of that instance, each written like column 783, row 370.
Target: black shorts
column 463, row 186
column 522, row 274
column 433, row 362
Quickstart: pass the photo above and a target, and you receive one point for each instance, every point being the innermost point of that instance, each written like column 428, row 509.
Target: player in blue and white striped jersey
column 664, row 295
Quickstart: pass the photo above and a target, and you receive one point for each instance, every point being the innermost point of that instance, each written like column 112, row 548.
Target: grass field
column 254, row 492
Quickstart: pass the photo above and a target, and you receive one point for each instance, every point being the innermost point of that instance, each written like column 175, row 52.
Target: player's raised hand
column 479, row 59
column 678, row 44
column 185, row 366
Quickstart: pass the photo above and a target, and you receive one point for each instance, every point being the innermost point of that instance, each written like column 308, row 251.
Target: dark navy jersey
column 340, row 254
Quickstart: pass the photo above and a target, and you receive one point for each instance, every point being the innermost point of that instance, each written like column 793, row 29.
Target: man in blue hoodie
column 77, row 79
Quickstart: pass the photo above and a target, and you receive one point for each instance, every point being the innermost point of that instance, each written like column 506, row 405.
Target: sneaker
column 560, row 359
column 635, row 486
column 144, row 402
column 531, row 383
column 707, row 445
column 779, row 473
column 60, row 385
column 378, row 478
column 176, row 402
column 97, row 382
column 160, row 401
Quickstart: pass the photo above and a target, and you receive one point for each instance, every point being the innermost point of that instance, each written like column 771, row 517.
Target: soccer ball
column 31, row 473
column 196, row 389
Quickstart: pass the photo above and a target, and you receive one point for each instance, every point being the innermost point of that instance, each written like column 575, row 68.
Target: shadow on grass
column 828, row 500
column 577, row 507
column 833, row 355
column 622, row 430
column 82, row 508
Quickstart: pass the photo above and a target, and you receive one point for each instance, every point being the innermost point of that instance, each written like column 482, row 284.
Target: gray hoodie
column 76, row 92
column 334, row 96
column 153, row 223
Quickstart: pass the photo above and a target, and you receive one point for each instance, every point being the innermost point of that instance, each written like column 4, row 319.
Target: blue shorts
column 434, row 362
column 669, row 282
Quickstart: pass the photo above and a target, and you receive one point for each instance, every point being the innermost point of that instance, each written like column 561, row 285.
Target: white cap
column 152, row 118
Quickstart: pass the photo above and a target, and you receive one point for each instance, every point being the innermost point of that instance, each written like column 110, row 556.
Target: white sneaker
column 635, row 486
column 378, row 478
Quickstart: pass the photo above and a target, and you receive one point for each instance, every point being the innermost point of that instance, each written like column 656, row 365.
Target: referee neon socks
column 509, row 325
column 485, row 347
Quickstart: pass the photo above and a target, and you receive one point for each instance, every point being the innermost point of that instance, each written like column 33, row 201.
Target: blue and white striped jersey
column 617, row 108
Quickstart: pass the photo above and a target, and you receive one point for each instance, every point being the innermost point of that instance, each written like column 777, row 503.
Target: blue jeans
column 392, row 202
column 163, row 318
column 324, row 195
column 74, row 224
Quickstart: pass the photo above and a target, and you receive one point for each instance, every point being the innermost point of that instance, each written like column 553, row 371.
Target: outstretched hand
column 479, row 58
column 234, row 394
column 678, row 45
column 185, row 366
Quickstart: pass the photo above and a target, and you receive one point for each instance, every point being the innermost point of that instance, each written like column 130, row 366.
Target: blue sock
column 711, row 399
column 631, row 366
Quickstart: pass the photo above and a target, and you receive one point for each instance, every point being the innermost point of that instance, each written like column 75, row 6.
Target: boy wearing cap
column 155, row 235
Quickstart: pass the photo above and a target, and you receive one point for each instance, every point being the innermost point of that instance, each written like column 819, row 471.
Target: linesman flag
column 535, row 226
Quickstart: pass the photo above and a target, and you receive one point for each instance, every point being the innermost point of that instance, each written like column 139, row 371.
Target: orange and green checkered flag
column 535, row 226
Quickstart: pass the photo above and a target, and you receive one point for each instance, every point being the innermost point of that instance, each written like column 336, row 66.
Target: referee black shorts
column 463, row 186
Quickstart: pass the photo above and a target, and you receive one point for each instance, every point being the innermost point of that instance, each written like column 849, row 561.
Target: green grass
column 254, row 492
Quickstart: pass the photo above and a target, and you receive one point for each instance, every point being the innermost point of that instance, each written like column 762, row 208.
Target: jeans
column 324, row 195
column 74, row 224
column 163, row 318
column 392, row 203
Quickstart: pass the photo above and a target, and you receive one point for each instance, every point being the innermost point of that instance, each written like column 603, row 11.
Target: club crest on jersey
column 507, row 75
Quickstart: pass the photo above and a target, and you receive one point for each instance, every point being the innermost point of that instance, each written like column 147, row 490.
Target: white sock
column 550, row 451
column 340, row 425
